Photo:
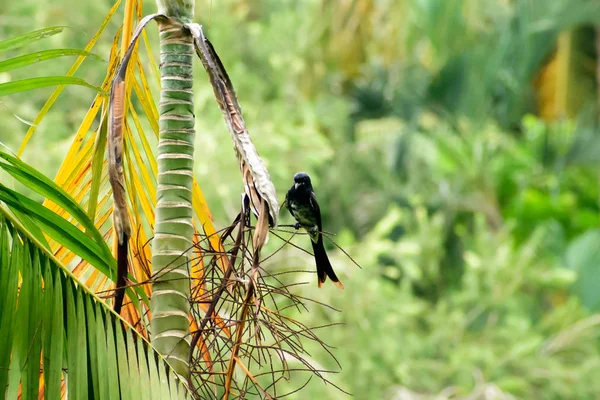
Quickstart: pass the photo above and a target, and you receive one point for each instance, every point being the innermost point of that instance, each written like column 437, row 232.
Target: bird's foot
column 297, row 226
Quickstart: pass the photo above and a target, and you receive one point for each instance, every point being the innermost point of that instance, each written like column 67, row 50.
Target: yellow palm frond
column 83, row 173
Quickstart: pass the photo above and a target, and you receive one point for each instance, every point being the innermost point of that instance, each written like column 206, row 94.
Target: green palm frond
column 16, row 86
column 40, row 220
column 51, row 316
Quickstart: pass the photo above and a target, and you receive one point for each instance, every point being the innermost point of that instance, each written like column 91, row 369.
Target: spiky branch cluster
column 245, row 323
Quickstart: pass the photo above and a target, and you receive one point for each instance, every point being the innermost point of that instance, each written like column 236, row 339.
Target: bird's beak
column 296, row 185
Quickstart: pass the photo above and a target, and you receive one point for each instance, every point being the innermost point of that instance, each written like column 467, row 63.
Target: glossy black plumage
column 302, row 204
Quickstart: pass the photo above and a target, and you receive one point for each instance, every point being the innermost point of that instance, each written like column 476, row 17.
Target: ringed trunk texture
column 173, row 229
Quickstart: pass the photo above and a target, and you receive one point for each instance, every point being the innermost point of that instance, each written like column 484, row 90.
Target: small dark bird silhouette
column 302, row 204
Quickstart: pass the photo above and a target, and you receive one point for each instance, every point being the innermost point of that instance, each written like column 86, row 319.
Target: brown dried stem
column 266, row 341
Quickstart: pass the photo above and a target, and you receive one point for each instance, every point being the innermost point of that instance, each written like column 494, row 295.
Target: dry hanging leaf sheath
column 257, row 183
column 116, row 116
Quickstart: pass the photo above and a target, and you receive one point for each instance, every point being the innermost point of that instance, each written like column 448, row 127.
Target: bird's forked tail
column 324, row 268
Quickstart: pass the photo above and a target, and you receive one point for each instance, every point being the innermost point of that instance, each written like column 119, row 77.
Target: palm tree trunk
column 173, row 230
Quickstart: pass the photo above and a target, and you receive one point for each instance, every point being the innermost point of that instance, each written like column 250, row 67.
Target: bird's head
column 302, row 180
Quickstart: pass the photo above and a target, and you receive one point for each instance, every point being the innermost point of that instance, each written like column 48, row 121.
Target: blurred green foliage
column 475, row 221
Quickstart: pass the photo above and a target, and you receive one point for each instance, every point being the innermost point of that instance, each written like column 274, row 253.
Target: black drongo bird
column 302, row 204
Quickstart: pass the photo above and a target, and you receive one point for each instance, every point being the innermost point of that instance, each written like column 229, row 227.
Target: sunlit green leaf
column 28, row 59
column 28, row 38
column 24, row 85
column 60, row 229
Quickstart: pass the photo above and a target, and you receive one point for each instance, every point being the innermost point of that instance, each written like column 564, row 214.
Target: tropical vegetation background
column 454, row 147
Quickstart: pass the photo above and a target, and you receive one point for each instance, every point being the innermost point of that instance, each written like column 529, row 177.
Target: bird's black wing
column 316, row 210
column 287, row 203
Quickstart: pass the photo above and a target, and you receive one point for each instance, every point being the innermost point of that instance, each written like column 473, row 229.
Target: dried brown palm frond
column 257, row 183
